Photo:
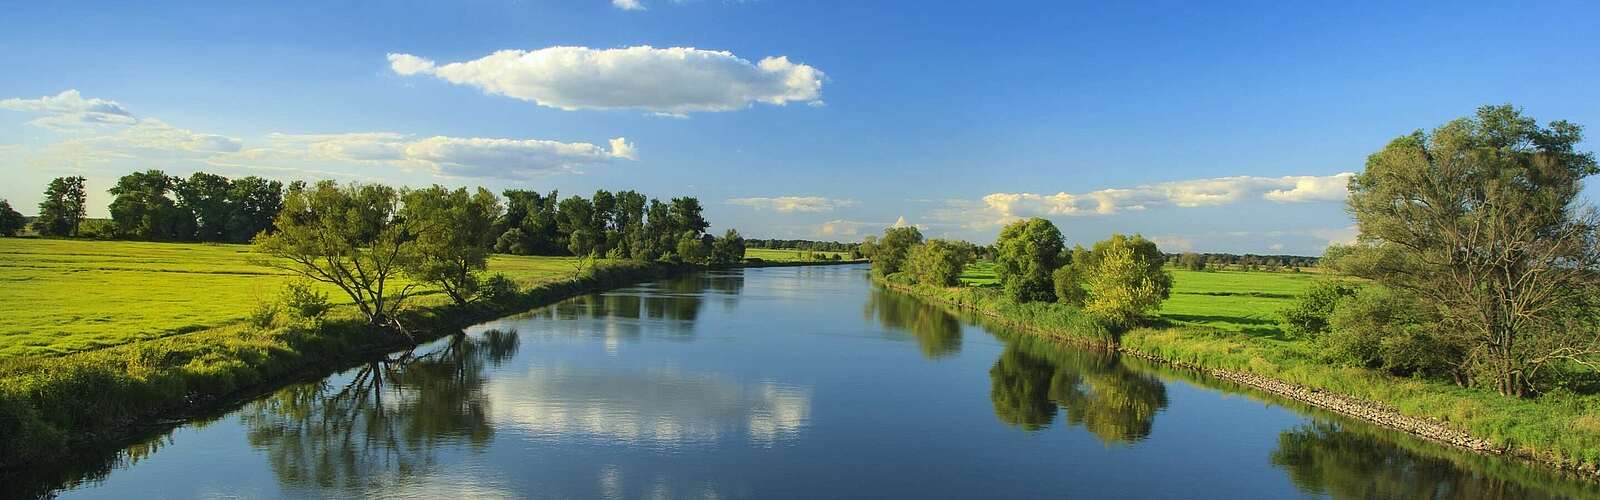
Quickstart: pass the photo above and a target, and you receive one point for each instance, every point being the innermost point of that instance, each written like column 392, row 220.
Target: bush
column 1378, row 327
column 939, row 262
column 499, row 289
column 1125, row 280
column 265, row 315
column 304, row 301
column 889, row 255
column 1068, row 282
column 1308, row 316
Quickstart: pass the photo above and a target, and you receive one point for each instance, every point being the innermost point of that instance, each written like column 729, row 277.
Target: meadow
column 790, row 255
column 64, row 296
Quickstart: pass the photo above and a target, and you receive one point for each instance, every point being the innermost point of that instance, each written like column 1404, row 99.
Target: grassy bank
column 52, row 403
column 1224, row 321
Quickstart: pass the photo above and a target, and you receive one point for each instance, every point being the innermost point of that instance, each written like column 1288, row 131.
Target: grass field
column 787, row 255
column 1239, row 301
column 63, row 296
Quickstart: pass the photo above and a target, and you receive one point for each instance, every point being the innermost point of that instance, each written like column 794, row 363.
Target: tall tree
column 1479, row 219
column 453, row 230
column 255, row 202
column 605, row 208
column 629, row 220
column 576, row 221
column 729, row 249
column 11, row 221
column 346, row 236
column 144, row 209
column 1027, row 252
column 892, row 250
column 660, row 236
column 62, row 211
column 206, row 197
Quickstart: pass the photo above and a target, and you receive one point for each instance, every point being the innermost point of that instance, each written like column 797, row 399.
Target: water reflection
column 1328, row 459
column 936, row 331
column 660, row 408
column 1033, row 378
column 669, row 307
column 384, row 424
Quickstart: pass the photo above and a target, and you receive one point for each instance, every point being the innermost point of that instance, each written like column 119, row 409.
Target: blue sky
column 1208, row 126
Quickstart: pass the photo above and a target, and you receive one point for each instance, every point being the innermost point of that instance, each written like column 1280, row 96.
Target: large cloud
column 788, row 204
column 1188, row 193
column 69, row 111
column 674, row 81
column 445, row 156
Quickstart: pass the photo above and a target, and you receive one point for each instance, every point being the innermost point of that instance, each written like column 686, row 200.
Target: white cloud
column 1189, row 193
column 147, row 139
column 789, row 204
column 672, row 81
column 444, row 156
column 69, row 111
column 849, row 228
column 627, row 4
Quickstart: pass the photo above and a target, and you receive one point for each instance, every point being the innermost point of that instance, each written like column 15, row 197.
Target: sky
column 1206, row 126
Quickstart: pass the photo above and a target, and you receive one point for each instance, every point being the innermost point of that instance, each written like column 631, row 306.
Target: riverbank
column 50, row 406
column 1560, row 431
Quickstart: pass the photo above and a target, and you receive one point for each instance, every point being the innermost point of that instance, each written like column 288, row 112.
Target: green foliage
column 1125, row 280
column 692, row 248
column 1380, row 327
column 305, row 301
column 264, row 315
column 499, row 289
column 1308, row 316
column 889, row 254
column 1192, row 261
column 1475, row 220
column 65, row 202
column 938, row 262
column 1068, row 282
column 11, row 221
column 1026, row 254
column 452, row 230
column 143, row 208
column 349, row 237
column 729, row 249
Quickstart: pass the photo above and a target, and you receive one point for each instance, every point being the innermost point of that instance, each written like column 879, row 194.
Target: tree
column 205, row 197
column 453, row 230
column 939, row 262
column 11, row 221
column 889, row 255
column 347, row 236
column 1308, row 316
column 1479, row 220
column 576, row 220
column 605, row 209
column 1027, row 253
column 1125, row 280
column 629, row 223
column 660, row 237
column 868, row 246
column 1192, row 261
column 144, row 209
column 693, row 249
column 62, row 211
column 254, row 202
column 729, row 249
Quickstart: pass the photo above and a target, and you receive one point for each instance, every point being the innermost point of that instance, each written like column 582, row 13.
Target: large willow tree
column 1479, row 219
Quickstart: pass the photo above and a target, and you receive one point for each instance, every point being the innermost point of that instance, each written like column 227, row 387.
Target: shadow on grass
column 1253, row 327
column 1264, row 295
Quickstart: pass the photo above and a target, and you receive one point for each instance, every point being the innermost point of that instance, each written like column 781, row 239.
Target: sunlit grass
column 62, row 296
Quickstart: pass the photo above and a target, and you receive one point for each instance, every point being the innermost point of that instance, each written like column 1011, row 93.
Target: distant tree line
column 811, row 245
column 1246, row 262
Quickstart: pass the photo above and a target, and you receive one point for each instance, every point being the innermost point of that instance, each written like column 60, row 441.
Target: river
column 800, row 382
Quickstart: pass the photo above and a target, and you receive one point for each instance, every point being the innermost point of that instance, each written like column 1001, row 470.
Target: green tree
column 346, row 236
column 1027, row 253
column 692, row 248
column 207, row 198
column 1478, row 221
column 729, row 249
column 453, row 230
column 254, row 202
column 11, row 221
column 143, row 208
column 1308, row 315
column 605, row 212
column 1125, row 280
column 62, row 211
column 629, row 222
column 1192, row 261
column 660, row 238
column 939, row 262
column 576, row 222
column 889, row 255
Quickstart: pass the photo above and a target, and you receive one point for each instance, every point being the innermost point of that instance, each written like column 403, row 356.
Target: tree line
column 1247, row 262
column 806, row 245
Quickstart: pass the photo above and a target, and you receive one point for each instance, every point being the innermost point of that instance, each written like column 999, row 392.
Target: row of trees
column 1482, row 266
column 809, row 245
column 361, row 238
column 1251, row 262
column 622, row 225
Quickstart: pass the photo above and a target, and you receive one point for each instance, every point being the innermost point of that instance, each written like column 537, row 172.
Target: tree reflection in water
column 1035, row 377
column 386, row 423
column 1328, row 459
column 936, row 331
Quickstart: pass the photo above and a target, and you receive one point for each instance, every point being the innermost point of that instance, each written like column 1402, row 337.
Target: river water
column 803, row 382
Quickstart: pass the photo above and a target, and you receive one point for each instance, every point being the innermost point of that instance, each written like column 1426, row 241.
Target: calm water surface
column 776, row 383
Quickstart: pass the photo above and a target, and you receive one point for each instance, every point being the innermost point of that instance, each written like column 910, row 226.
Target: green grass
column 136, row 364
column 64, row 296
column 1227, row 320
column 788, row 255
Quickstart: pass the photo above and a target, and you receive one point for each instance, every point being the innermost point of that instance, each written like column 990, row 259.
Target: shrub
column 265, row 315
column 939, row 262
column 304, row 301
column 1125, row 280
column 499, row 289
column 1308, row 316
column 1068, row 282
column 889, row 255
column 1378, row 327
